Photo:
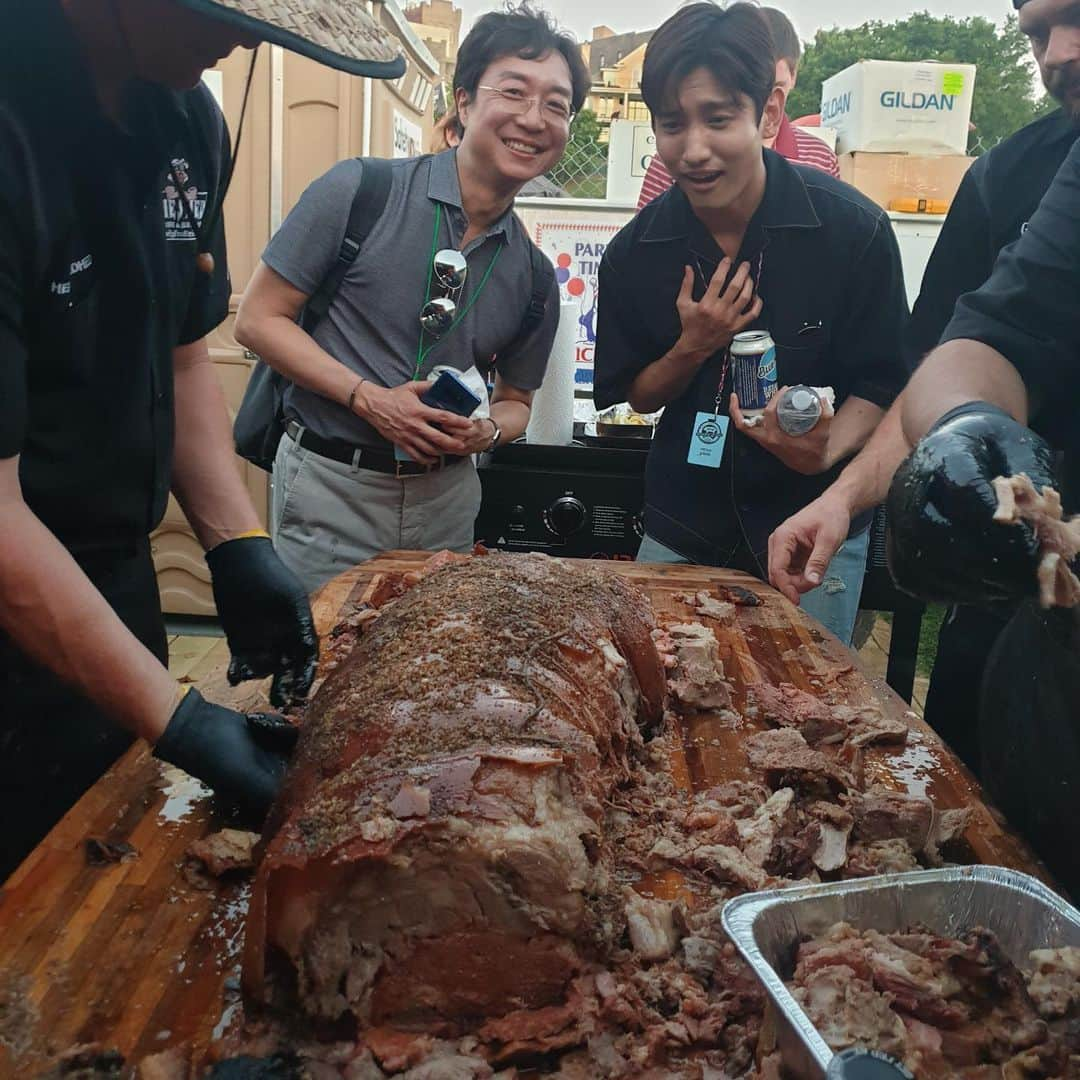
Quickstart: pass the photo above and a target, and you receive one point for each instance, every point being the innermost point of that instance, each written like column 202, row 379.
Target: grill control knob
column 565, row 516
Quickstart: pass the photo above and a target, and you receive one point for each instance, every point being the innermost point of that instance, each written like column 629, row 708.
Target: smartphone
column 450, row 393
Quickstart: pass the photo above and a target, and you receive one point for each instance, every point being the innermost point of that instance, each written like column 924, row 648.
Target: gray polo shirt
column 373, row 326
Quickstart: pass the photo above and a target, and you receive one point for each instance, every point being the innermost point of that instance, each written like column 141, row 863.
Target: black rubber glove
column 242, row 757
column 942, row 543
column 266, row 617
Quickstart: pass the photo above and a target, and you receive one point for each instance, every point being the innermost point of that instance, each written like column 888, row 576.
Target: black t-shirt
column 97, row 278
column 828, row 269
column 1029, row 311
column 992, row 208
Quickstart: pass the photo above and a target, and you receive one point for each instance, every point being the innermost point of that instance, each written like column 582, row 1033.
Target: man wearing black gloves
column 1007, row 370
column 991, row 210
column 114, row 163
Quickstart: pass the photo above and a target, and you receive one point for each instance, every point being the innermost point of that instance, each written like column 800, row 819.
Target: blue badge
column 707, row 440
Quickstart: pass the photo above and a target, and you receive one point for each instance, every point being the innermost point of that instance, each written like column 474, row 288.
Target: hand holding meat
column 424, row 433
column 943, row 542
column 801, row 549
column 807, row 454
column 710, row 324
column 242, row 757
column 266, row 617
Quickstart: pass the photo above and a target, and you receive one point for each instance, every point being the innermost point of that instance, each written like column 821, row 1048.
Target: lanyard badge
column 708, row 439
column 709, row 436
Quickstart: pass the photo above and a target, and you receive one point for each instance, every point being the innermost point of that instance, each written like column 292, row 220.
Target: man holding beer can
column 752, row 275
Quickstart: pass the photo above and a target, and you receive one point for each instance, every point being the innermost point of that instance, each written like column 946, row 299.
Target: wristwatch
column 494, row 438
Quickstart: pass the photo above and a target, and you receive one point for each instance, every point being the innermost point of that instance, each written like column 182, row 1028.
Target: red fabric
column 812, row 151
column 657, row 181
column 791, row 142
column 786, row 144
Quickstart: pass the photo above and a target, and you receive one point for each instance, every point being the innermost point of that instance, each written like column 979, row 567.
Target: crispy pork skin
column 435, row 858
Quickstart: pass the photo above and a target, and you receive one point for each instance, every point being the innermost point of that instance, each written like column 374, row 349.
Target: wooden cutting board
column 134, row 956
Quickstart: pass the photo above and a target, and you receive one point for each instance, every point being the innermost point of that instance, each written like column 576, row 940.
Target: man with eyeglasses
column 444, row 278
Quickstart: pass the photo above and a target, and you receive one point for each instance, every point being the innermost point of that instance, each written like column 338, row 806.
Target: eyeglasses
column 553, row 110
column 451, row 269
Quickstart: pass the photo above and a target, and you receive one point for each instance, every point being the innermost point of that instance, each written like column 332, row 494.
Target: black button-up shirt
column 97, row 278
column 1029, row 311
column 832, row 285
column 992, row 208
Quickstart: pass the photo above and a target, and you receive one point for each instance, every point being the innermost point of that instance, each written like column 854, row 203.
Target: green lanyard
column 421, row 352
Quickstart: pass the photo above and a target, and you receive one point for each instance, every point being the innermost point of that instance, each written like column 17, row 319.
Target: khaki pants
column 326, row 517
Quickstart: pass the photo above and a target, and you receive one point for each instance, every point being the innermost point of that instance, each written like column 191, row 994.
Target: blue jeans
column 834, row 603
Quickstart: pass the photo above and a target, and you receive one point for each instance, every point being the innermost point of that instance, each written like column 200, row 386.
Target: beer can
column 798, row 410
column 753, row 370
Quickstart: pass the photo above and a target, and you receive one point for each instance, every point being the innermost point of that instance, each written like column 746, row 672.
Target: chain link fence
column 581, row 174
column 981, row 146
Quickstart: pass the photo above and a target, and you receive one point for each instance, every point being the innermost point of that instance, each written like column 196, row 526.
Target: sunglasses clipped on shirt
column 450, row 269
column 554, row 110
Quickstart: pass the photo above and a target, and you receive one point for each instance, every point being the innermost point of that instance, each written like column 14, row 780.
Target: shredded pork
column 946, row 1007
column 1059, row 539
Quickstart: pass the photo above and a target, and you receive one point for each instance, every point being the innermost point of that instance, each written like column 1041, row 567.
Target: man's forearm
column 280, row 342
column 852, row 426
column 665, row 379
column 865, row 481
column 954, row 374
column 512, row 418
column 206, row 480
column 53, row 613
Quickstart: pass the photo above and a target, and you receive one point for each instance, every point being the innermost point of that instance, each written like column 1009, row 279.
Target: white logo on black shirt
column 63, row 288
column 178, row 224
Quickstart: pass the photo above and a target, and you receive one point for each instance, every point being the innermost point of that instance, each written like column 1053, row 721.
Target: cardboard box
column 886, row 178
column 890, row 106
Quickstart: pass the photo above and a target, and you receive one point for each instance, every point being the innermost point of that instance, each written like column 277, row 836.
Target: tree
column 585, row 130
column 1005, row 98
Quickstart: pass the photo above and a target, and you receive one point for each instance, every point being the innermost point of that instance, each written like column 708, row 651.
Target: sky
column 580, row 16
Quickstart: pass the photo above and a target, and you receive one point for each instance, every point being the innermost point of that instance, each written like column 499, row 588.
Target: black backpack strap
column 368, row 204
column 543, row 277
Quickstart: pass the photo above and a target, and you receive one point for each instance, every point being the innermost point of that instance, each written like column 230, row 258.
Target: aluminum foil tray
column 767, row 927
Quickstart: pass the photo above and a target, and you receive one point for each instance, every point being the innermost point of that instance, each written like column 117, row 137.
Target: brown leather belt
column 363, row 457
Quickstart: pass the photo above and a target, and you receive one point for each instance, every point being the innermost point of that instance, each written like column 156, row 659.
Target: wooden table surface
column 136, row 957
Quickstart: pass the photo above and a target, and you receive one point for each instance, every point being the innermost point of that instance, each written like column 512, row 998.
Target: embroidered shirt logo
column 77, row 266
column 178, row 221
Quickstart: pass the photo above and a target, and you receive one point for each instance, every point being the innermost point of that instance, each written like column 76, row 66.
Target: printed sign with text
column 576, row 249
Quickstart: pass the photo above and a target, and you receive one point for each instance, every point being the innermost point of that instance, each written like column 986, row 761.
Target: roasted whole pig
column 435, row 857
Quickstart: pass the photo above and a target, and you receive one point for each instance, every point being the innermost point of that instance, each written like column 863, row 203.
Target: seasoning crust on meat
column 481, row 858
column 436, row 855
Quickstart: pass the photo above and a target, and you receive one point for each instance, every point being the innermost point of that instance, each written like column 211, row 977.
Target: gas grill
column 582, row 501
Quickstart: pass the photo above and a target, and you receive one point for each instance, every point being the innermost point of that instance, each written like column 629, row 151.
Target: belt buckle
column 399, row 465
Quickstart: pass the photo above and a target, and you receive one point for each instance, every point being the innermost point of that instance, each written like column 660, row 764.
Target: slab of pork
column 435, row 857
